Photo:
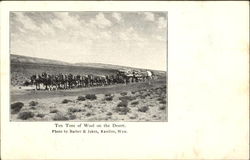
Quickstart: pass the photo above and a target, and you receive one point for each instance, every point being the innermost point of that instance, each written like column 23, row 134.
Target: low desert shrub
column 133, row 116
column 109, row 113
column 83, row 110
column 81, row 98
column 33, row 107
column 133, row 92
column 91, row 96
column 33, row 103
column 134, row 103
column 54, row 111
column 127, row 98
column 123, row 93
column 25, row 115
column 88, row 106
column 16, row 107
column 143, row 109
column 142, row 96
column 66, row 101
column 40, row 115
column 146, row 94
column 71, row 116
column 163, row 101
column 108, row 95
column 88, row 114
column 122, row 104
column 122, row 110
column 159, row 99
column 73, row 109
column 108, row 98
column 162, row 107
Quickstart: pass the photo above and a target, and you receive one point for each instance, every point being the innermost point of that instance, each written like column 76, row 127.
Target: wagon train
column 69, row 81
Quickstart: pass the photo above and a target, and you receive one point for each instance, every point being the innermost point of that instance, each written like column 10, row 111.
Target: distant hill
column 24, row 59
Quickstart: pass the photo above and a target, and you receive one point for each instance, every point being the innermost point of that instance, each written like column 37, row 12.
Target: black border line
column 167, row 116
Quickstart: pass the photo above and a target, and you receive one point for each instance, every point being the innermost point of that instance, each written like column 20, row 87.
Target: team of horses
column 69, row 81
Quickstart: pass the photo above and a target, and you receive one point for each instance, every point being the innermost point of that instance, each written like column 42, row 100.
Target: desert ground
column 139, row 102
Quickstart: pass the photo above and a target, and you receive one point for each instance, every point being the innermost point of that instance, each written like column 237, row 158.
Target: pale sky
column 136, row 39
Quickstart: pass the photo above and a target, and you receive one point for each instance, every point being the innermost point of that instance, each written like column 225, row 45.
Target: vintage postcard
column 124, row 80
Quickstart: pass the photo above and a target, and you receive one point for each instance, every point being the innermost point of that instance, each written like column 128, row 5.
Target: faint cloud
column 58, row 24
column 101, row 21
column 105, row 35
column 21, row 30
column 124, row 36
column 46, row 29
column 149, row 16
column 65, row 20
column 117, row 16
column 162, row 22
column 130, row 35
column 27, row 22
column 159, row 38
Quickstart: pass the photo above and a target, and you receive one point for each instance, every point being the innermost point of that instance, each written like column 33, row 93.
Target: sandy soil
column 132, row 102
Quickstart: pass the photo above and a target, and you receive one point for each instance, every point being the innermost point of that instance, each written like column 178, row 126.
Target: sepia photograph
column 89, row 66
